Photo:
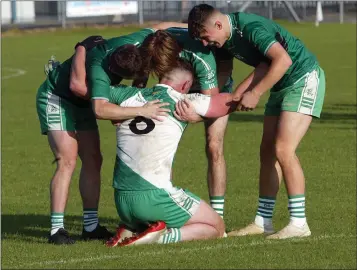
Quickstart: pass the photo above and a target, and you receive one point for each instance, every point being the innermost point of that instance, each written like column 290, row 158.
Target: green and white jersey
column 97, row 63
column 145, row 147
column 98, row 76
column 201, row 58
column 253, row 35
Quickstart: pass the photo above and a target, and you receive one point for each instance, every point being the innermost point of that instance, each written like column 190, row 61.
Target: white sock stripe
column 266, row 211
column 297, row 199
column 219, row 212
column 56, row 220
column 90, row 214
column 90, row 221
column 294, row 205
column 266, row 200
column 90, row 217
column 298, row 214
column 87, row 224
column 218, row 206
column 57, row 226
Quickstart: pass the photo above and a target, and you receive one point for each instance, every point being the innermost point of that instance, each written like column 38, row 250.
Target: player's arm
column 270, row 44
column 99, row 83
column 77, row 82
column 210, row 106
column 280, row 63
column 166, row 25
column 251, row 81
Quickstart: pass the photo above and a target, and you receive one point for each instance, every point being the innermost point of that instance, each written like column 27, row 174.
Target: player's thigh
column 291, row 129
column 206, row 215
column 64, row 145
column 215, row 129
column 54, row 112
column 89, row 146
column 174, row 207
column 270, row 129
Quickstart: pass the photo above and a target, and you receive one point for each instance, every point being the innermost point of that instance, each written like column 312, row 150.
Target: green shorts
column 306, row 96
column 56, row 113
column 138, row 208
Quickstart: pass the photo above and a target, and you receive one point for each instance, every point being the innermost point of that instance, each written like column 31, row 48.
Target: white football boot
column 252, row 229
column 290, row 231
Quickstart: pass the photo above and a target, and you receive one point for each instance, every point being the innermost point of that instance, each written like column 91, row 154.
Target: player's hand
column 90, row 42
column 116, row 123
column 185, row 111
column 154, row 110
column 248, row 101
column 51, row 65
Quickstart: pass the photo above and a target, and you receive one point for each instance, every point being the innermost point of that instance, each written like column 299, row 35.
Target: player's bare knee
column 214, row 149
column 284, row 153
column 66, row 163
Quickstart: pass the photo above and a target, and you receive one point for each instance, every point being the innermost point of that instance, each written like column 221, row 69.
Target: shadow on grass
column 35, row 228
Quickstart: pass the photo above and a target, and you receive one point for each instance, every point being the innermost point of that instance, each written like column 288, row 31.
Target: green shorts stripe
column 305, row 96
column 57, row 113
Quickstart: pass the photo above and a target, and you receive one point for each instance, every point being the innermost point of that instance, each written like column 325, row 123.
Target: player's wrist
column 80, row 46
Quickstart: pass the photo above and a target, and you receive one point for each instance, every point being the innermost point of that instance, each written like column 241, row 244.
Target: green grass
column 327, row 154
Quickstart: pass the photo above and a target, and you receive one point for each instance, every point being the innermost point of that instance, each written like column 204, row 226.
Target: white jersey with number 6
column 145, row 147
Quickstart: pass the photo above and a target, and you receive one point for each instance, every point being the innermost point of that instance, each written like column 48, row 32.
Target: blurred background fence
column 31, row 14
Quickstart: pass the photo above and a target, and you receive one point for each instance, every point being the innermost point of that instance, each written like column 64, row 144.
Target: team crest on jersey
column 210, row 74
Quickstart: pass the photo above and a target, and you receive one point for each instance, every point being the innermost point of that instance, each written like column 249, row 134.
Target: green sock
column 297, row 209
column 56, row 222
column 172, row 235
column 90, row 219
column 217, row 203
column 265, row 211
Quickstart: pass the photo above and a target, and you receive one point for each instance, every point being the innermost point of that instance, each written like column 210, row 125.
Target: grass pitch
column 327, row 154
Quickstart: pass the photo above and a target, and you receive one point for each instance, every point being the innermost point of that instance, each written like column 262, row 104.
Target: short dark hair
column 125, row 61
column 160, row 52
column 197, row 18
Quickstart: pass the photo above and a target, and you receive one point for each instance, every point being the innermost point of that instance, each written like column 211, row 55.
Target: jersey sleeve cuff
column 268, row 47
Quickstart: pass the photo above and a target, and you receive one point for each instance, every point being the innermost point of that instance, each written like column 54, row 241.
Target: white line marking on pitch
column 183, row 250
column 17, row 72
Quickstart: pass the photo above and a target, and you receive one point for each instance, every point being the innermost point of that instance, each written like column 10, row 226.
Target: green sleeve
column 98, row 82
column 139, row 36
column 204, row 65
column 260, row 36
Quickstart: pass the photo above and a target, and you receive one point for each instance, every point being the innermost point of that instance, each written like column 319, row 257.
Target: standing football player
column 297, row 89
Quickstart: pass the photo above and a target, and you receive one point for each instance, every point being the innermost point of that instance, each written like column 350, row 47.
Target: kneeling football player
column 146, row 200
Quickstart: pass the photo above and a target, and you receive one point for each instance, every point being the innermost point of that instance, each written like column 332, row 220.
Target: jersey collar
column 230, row 26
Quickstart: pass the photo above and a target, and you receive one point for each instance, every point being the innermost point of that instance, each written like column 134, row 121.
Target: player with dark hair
column 297, row 87
column 67, row 118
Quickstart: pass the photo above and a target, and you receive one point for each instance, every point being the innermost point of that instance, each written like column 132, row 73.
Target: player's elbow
column 286, row 61
column 77, row 88
column 98, row 109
